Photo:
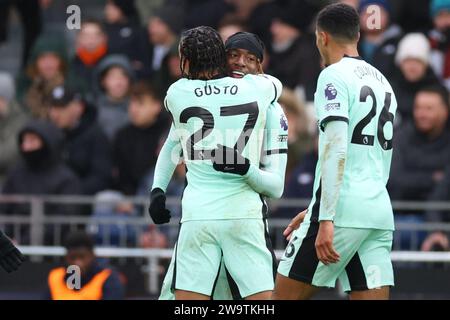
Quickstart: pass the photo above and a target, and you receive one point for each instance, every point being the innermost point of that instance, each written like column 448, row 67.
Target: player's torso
column 224, row 111
column 363, row 199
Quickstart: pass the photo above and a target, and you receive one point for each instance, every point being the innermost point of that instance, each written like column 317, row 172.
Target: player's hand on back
column 229, row 160
column 294, row 224
column 324, row 243
column 157, row 209
column 10, row 257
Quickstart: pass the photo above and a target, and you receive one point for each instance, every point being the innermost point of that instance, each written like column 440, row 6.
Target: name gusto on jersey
column 213, row 90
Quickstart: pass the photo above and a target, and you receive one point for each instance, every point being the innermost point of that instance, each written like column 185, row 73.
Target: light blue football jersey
column 226, row 111
column 354, row 91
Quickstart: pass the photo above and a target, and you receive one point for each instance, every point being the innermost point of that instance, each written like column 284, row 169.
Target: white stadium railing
column 153, row 257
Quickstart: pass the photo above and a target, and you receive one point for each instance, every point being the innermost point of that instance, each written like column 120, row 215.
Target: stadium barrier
column 153, row 257
column 127, row 230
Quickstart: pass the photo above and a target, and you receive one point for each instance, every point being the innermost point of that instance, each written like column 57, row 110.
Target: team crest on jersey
column 283, row 122
column 330, row 92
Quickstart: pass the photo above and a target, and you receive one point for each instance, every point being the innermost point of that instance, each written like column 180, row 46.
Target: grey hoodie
column 112, row 115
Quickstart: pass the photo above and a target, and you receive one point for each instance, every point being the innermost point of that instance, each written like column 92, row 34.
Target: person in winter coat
column 293, row 58
column 114, row 79
column 12, row 119
column 413, row 61
column 47, row 68
column 86, row 149
column 422, row 149
column 378, row 44
column 136, row 145
column 40, row 172
column 91, row 48
column 126, row 36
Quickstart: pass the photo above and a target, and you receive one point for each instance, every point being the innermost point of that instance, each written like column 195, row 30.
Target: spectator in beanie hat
column 413, row 60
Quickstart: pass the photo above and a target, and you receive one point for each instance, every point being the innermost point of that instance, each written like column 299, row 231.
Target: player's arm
column 269, row 180
column 332, row 107
column 166, row 163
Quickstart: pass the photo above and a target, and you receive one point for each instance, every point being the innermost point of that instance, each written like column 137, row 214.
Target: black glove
column 157, row 208
column 10, row 256
column 229, row 160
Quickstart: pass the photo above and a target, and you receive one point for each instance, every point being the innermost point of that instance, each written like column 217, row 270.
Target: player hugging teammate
column 346, row 232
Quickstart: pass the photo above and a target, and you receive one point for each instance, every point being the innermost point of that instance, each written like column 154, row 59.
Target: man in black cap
column 86, row 149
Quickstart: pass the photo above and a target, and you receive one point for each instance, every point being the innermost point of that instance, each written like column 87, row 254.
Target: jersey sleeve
column 168, row 160
column 277, row 87
column 269, row 181
column 331, row 99
column 276, row 131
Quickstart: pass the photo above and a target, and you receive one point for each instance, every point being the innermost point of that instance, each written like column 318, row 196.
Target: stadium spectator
column 169, row 73
column 40, row 172
column 229, row 26
column 421, row 156
column 300, row 141
column 439, row 240
column 413, row 60
column 98, row 281
column 300, row 183
column 422, row 148
column 195, row 11
column 163, row 30
column 440, row 39
column 31, row 18
column 378, row 44
column 91, row 47
column 136, row 145
column 46, row 69
column 412, row 18
column 12, row 119
column 114, row 78
column 86, row 149
column 112, row 204
column 294, row 59
column 126, row 36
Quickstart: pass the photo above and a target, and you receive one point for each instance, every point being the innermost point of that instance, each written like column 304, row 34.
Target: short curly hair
column 339, row 20
column 204, row 49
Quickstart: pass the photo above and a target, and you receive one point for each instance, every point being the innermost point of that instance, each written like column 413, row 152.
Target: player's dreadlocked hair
column 339, row 20
column 205, row 51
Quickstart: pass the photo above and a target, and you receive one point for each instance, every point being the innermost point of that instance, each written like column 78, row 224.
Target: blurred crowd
column 90, row 121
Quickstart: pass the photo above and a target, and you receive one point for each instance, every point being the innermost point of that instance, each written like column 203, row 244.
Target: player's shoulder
column 334, row 71
column 266, row 83
column 178, row 85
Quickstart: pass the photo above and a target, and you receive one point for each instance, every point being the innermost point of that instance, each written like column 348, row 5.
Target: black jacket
column 135, row 153
column 131, row 40
column 87, row 152
column 53, row 178
column 298, row 65
column 415, row 159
